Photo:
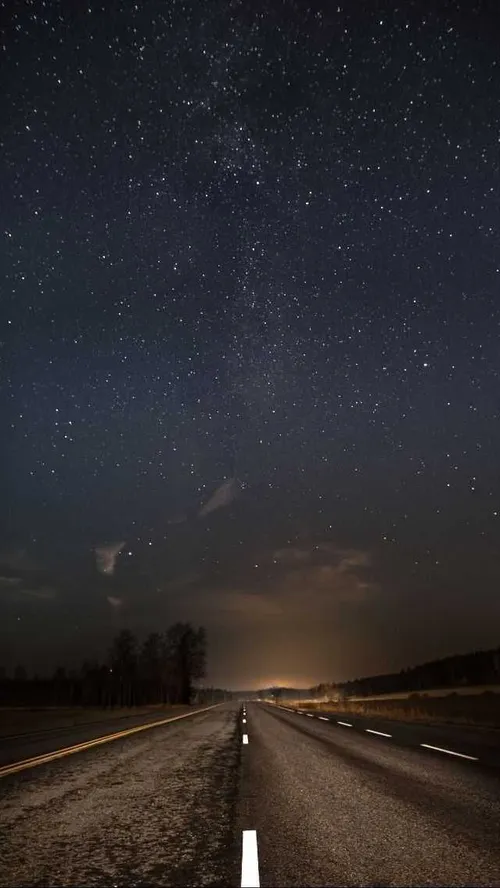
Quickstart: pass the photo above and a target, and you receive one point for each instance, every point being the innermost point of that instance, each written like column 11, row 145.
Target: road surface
column 229, row 798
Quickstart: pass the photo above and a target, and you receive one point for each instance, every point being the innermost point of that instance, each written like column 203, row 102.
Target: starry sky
column 249, row 331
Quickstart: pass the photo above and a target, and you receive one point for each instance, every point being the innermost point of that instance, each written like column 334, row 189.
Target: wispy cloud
column 106, row 557
column 292, row 555
column 248, row 604
column 115, row 602
column 17, row 560
column 44, row 593
column 13, row 588
column 22, row 578
column 223, row 496
column 182, row 582
column 177, row 519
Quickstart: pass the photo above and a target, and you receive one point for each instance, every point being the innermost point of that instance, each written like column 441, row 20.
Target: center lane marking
column 249, row 860
column 380, row 733
column 245, row 739
column 345, row 724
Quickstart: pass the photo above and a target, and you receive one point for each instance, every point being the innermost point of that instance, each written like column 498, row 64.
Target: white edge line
column 249, row 860
column 245, row 739
column 380, row 733
column 346, row 724
column 472, row 758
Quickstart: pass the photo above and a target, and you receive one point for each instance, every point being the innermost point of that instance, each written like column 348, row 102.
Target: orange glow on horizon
column 299, row 684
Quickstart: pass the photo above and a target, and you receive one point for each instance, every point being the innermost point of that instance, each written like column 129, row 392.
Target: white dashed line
column 344, row 724
column 462, row 755
column 244, row 721
column 245, row 739
column 249, row 860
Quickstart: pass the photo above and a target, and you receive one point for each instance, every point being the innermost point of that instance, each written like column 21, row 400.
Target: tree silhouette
column 185, row 649
column 20, row 673
column 152, row 671
column 161, row 670
column 124, row 664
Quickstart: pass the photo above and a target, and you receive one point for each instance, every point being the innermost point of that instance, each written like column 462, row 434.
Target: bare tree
column 151, row 668
column 123, row 661
column 185, row 649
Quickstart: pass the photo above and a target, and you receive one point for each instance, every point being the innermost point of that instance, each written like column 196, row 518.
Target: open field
column 461, row 691
column 479, row 707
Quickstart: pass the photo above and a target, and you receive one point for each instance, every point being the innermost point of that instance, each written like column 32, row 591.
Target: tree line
column 164, row 669
column 475, row 668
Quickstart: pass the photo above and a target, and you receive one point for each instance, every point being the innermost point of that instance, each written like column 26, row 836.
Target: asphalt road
column 304, row 801
column 335, row 805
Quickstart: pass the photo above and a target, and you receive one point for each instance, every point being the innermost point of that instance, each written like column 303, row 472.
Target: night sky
column 250, row 331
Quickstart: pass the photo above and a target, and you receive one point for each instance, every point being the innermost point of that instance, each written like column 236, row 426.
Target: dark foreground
column 330, row 805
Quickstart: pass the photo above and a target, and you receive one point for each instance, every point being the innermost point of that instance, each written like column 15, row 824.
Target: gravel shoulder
column 153, row 809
